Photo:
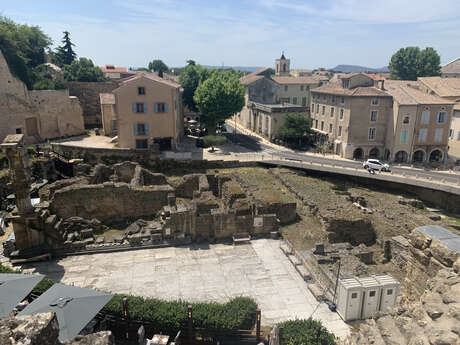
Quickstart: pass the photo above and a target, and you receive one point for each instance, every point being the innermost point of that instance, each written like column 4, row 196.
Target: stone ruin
column 73, row 213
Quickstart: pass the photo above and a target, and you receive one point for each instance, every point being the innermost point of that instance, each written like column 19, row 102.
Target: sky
column 312, row 33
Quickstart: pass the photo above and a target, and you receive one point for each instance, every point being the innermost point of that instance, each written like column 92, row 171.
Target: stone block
column 86, row 233
column 100, row 240
column 442, row 254
column 419, row 240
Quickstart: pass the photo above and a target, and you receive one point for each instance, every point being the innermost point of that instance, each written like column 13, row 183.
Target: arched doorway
column 401, row 157
column 435, row 156
column 387, row 155
column 418, row 156
column 374, row 153
column 358, row 153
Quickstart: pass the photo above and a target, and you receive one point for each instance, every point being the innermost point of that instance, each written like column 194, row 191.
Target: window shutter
column 145, row 107
column 166, row 107
column 155, row 105
column 147, row 129
column 134, row 108
column 135, row 129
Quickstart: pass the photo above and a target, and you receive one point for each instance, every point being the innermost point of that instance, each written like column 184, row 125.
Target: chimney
column 382, row 85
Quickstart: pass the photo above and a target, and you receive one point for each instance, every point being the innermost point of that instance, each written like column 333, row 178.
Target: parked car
column 375, row 164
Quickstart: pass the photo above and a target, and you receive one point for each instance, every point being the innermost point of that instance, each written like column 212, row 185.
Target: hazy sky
column 313, row 33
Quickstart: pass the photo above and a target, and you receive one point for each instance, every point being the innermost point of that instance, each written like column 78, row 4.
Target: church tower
column 282, row 67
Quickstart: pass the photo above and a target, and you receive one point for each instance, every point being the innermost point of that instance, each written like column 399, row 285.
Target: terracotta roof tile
column 113, row 69
column 251, row 77
column 451, row 67
column 295, row 80
column 335, row 87
column 153, row 77
column 443, row 87
column 408, row 92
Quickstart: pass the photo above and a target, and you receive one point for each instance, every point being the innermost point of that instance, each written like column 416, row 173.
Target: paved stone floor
column 201, row 273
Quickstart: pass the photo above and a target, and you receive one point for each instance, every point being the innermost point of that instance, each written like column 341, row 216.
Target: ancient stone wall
column 285, row 211
column 88, row 94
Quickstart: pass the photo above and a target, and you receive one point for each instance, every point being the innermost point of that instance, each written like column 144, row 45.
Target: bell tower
column 282, row 66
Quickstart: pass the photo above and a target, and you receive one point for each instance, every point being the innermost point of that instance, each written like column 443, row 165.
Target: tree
column 302, row 332
column 190, row 78
column 218, row 98
column 44, row 79
column 191, row 62
column 295, row 128
column 411, row 62
column 158, row 66
column 65, row 54
column 214, row 140
column 83, row 70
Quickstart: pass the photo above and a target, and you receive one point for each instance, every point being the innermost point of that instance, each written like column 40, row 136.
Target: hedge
column 170, row 316
column 303, row 332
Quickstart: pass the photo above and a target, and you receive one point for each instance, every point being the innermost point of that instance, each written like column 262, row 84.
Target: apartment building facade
column 145, row 110
column 451, row 70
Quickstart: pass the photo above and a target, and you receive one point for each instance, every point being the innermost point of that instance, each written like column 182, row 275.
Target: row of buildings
column 362, row 115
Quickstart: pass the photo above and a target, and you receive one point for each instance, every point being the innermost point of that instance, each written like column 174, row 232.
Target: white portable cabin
column 390, row 290
column 371, row 296
column 349, row 299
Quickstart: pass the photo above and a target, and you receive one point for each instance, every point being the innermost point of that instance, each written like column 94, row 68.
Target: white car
column 375, row 164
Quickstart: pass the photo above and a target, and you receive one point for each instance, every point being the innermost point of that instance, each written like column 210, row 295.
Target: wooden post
column 258, row 325
column 125, row 312
column 190, row 323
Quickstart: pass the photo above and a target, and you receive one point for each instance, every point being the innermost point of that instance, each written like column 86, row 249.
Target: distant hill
column 354, row 69
column 237, row 68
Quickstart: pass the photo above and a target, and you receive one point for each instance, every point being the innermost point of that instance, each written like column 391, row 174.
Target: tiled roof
column 452, row 67
column 107, row 98
column 408, row 92
column 113, row 69
column 153, row 77
column 295, row 80
column 252, row 77
column 335, row 87
column 443, row 87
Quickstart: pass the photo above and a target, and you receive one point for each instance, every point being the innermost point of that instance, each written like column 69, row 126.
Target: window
column 285, row 87
column 304, row 101
column 375, row 101
column 403, row 138
column 312, row 107
column 316, row 124
column 422, row 135
column 330, row 128
column 345, row 83
column 341, row 114
column 373, row 115
column 438, row 135
column 141, row 129
column 322, row 125
column 426, row 117
column 342, row 100
column 323, row 111
column 294, row 100
column 317, row 108
column 139, row 108
column 18, row 130
column 340, row 131
column 301, row 87
column 332, row 111
column 442, row 117
column 371, row 293
column 161, row 107
column 406, row 119
column 141, row 90
column 451, row 133
column 389, row 292
column 141, row 144
column 371, row 133
column 333, row 99
column 354, row 295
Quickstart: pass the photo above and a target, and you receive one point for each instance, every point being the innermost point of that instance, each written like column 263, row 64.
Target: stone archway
column 418, row 156
column 358, row 153
column 374, row 153
column 436, row 156
column 401, row 157
column 387, row 155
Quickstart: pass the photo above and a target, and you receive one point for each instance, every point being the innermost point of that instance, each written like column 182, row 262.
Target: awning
column 74, row 307
column 319, row 131
column 14, row 288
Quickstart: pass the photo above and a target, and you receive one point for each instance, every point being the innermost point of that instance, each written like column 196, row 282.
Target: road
column 254, row 144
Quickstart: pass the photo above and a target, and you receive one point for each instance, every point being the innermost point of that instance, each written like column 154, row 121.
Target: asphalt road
column 256, row 145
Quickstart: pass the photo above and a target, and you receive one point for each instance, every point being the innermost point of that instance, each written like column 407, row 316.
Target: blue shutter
column 156, row 107
column 145, row 107
column 147, row 129
column 134, row 108
column 166, row 107
column 135, row 130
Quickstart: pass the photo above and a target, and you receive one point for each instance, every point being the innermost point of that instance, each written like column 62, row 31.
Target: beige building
column 396, row 121
column 451, row 70
column 113, row 72
column 40, row 114
column 145, row 110
column 449, row 89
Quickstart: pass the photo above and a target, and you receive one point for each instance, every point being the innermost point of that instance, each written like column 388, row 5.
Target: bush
column 303, row 332
column 214, row 140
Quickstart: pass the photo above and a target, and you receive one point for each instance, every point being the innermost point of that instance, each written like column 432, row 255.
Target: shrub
column 214, row 140
column 303, row 332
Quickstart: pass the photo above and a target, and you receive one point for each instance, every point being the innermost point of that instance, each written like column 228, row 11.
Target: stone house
column 38, row 114
column 449, row 89
column 113, row 72
column 451, row 70
column 144, row 110
column 364, row 117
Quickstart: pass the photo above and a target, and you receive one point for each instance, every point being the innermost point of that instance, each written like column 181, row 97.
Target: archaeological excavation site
column 375, row 263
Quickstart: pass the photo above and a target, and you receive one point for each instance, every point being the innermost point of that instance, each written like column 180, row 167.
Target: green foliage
column 214, row 140
column 43, row 79
column 83, row 70
column 170, row 316
column 296, row 129
column 411, row 62
column 305, row 332
column 192, row 76
column 219, row 97
column 23, row 47
column 64, row 54
column 158, row 66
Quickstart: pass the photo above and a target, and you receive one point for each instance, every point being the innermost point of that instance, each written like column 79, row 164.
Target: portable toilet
column 349, row 299
column 371, row 296
column 390, row 290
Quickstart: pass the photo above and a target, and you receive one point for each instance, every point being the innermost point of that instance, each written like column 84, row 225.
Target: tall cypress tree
column 65, row 54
